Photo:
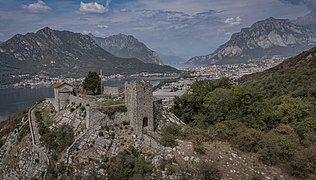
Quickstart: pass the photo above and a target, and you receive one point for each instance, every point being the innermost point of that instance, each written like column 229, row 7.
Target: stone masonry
column 139, row 103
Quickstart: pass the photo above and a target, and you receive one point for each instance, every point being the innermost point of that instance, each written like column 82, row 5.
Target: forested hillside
column 272, row 113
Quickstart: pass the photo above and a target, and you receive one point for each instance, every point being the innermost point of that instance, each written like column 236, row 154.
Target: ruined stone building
column 62, row 91
column 141, row 106
column 113, row 91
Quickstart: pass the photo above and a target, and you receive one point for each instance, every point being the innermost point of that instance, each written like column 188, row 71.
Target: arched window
column 145, row 122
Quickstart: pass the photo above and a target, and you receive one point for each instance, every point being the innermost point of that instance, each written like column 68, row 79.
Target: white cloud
column 95, row 33
column 107, row 3
column 228, row 34
column 181, row 26
column 123, row 10
column 233, row 21
column 40, row 6
column 93, row 7
column 102, row 26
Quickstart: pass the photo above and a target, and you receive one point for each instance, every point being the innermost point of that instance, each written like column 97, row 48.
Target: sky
column 184, row 28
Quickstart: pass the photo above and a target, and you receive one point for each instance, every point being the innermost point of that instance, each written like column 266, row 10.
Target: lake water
column 13, row 100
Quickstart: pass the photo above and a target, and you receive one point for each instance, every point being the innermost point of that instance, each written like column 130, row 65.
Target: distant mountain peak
column 264, row 39
column 46, row 30
column 127, row 46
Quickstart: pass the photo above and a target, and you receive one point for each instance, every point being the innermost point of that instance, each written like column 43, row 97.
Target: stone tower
column 139, row 103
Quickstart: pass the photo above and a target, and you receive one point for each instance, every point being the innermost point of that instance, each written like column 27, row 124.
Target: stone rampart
column 97, row 116
column 78, row 100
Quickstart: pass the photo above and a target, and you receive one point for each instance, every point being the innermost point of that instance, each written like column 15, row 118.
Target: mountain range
column 127, row 46
column 263, row 40
column 65, row 53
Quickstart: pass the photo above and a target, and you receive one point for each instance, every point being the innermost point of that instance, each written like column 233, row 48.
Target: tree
column 92, row 83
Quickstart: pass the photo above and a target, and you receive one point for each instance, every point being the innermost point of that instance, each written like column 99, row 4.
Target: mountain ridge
column 264, row 39
column 127, row 46
column 65, row 53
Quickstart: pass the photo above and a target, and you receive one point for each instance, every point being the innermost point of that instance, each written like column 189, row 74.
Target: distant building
column 62, row 91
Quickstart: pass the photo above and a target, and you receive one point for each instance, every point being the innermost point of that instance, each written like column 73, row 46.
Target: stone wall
column 96, row 117
column 113, row 91
column 139, row 103
column 78, row 100
column 157, row 112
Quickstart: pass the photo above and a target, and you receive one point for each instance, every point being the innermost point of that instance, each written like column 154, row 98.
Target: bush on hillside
column 169, row 134
column 303, row 164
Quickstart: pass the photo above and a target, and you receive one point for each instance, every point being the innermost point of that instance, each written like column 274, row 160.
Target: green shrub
column 303, row 164
column 112, row 135
column 23, row 132
column 279, row 145
column 247, row 139
column 169, row 134
column 2, row 142
column 126, row 123
column 198, row 144
column 42, row 129
column 208, row 171
column 107, row 128
column 129, row 165
column 170, row 169
column 58, row 139
column 104, row 158
column 82, row 108
column 227, row 129
column 306, row 130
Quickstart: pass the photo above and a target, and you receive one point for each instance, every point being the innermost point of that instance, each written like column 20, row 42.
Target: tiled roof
column 59, row 84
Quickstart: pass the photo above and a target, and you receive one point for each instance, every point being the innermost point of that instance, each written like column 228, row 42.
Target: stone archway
column 145, row 122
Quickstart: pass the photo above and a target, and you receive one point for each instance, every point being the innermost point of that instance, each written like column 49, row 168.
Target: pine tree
column 92, row 83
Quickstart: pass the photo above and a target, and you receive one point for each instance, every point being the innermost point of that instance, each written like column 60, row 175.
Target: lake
column 16, row 100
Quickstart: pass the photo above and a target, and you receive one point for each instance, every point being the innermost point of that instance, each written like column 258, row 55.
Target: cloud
column 93, row 7
column 102, row 26
column 311, row 4
column 107, row 3
column 233, row 21
column 40, row 6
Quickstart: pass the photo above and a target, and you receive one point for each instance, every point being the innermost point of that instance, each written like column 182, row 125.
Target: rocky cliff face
column 263, row 39
column 64, row 53
column 127, row 46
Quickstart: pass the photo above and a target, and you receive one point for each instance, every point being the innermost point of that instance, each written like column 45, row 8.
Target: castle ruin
column 62, row 91
column 140, row 106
